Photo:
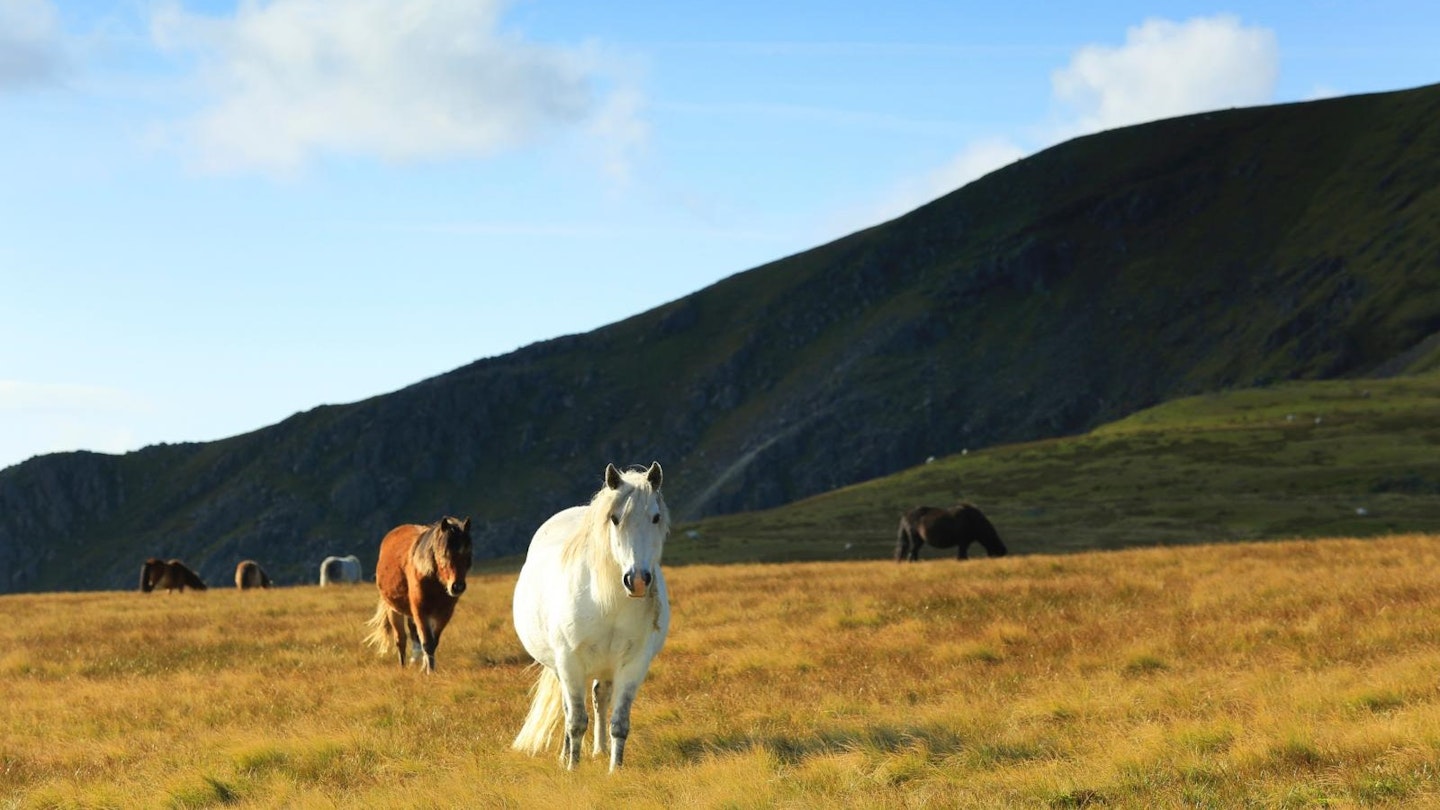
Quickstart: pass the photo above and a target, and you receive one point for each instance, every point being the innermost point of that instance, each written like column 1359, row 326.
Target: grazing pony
column 420, row 575
column 340, row 569
column 592, row 610
column 172, row 575
column 249, row 574
column 958, row 526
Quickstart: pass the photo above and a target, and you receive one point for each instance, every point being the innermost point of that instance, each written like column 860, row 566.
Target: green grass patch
column 1307, row 459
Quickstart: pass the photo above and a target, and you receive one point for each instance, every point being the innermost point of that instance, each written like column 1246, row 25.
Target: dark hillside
column 1097, row 278
column 1319, row 458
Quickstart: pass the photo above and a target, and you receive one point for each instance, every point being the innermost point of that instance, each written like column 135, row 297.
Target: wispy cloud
column 976, row 160
column 854, row 48
column 51, row 418
column 1163, row 69
column 21, row 395
column 32, row 50
column 288, row 80
column 1322, row 91
column 597, row 232
column 816, row 114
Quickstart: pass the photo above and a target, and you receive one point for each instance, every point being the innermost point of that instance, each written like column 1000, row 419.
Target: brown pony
column 958, row 526
column 249, row 574
column 420, row 575
column 172, row 576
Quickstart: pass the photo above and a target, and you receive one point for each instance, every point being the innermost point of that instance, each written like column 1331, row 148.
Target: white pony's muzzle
column 637, row 584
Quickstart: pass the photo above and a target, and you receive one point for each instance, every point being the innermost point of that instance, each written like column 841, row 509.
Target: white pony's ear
column 612, row 476
column 654, row 475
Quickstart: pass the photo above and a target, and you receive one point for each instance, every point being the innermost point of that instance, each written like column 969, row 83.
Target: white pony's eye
column 615, row 519
column 655, row 519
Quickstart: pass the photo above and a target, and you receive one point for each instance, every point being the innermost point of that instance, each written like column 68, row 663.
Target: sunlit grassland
column 1279, row 674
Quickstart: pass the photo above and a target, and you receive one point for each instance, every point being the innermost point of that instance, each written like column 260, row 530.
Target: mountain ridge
column 1096, row 278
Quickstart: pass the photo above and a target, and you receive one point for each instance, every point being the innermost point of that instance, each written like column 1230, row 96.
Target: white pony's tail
column 379, row 638
column 547, row 712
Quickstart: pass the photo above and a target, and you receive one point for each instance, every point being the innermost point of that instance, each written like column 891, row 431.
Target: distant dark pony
column 172, row 575
column 249, row 574
column 956, row 527
column 420, row 576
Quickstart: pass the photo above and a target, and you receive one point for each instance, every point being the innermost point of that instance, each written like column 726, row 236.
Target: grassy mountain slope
column 1102, row 276
column 1305, row 459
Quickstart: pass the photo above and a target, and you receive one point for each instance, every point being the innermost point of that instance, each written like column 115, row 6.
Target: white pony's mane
column 589, row 544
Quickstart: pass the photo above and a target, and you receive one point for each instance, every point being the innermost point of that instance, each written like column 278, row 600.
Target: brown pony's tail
column 377, row 637
column 547, row 712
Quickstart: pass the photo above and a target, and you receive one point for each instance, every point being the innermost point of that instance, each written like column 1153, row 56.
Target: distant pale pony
column 249, row 574
column 340, row 569
column 592, row 610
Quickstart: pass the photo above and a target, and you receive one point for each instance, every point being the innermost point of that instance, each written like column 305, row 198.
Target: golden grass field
column 1275, row 674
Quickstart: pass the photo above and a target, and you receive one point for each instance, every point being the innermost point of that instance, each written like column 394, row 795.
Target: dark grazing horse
column 172, row 575
column 249, row 574
column 420, row 575
column 958, row 526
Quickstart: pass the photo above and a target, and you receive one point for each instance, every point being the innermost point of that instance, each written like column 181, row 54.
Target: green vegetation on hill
column 1306, row 459
column 1105, row 275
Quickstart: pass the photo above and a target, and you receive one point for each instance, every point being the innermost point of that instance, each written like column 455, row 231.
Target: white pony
column 340, row 569
column 591, row 608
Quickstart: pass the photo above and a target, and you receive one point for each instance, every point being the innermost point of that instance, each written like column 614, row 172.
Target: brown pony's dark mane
column 433, row 543
column 168, row 574
column 150, row 572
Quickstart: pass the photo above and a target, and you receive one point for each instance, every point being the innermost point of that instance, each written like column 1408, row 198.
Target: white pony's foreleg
column 620, row 725
column 627, row 684
column 572, row 685
column 601, row 694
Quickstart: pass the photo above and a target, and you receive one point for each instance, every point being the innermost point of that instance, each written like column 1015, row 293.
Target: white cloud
column 1166, row 69
column 976, row 160
column 289, row 80
column 31, row 45
column 45, row 418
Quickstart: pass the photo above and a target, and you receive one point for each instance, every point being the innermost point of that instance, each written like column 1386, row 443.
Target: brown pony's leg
column 428, row 638
column 436, row 616
column 396, row 623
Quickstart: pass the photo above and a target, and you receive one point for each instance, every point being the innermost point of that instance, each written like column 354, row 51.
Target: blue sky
column 214, row 215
